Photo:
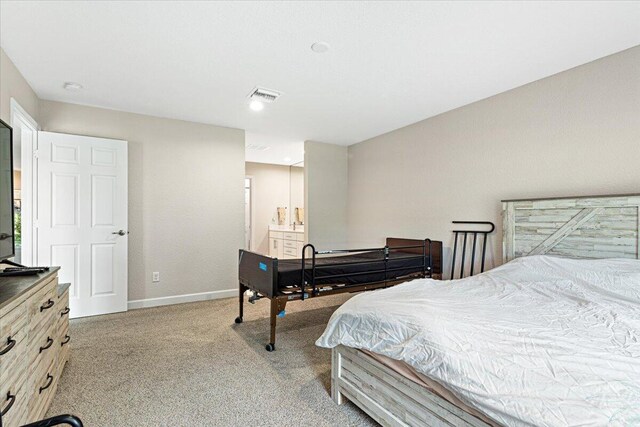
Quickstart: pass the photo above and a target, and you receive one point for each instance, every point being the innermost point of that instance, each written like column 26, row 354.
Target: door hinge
column 35, row 154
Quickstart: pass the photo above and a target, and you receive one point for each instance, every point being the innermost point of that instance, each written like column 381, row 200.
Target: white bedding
column 538, row 341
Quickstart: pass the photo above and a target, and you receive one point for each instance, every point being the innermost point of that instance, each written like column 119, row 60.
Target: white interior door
column 82, row 218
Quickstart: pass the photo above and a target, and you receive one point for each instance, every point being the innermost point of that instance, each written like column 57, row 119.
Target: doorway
column 247, row 213
column 25, row 142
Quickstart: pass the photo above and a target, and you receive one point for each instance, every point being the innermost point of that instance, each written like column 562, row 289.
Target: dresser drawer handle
column 10, row 343
column 47, row 385
column 11, row 398
column 66, row 340
column 49, row 344
column 47, row 305
column 65, row 311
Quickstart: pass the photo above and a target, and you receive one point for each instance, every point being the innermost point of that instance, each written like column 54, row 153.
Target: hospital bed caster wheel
column 238, row 319
column 270, row 347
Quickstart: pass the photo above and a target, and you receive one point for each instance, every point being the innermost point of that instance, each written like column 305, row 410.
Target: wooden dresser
column 34, row 344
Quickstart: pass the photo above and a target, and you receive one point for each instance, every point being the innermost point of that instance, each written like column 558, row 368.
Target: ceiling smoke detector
column 320, row 47
column 261, row 94
column 72, row 86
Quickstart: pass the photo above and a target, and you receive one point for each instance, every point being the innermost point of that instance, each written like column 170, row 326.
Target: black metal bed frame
column 465, row 233
column 386, row 250
column 259, row 274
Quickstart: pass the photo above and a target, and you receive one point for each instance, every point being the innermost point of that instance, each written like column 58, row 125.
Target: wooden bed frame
column 388, row 397
column 577, row 227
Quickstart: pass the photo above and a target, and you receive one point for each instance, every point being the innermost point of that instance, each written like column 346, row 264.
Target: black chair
column 71, row 420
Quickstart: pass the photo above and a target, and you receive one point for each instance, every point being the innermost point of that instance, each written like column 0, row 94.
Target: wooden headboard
column 576, row 227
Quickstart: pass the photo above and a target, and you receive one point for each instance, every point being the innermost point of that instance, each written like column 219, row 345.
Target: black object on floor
column 67, row 419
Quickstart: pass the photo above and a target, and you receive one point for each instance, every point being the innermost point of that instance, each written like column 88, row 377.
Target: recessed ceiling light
column 320, row 47
column 72, row 86
column 256, row 105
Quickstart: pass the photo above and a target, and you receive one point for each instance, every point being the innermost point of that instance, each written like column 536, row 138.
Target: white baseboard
column 179, row 299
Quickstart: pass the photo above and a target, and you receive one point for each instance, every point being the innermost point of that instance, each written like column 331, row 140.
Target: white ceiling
column 390, row 63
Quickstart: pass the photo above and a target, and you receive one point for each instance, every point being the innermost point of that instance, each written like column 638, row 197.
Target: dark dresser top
column 13, row 287
column 63, row 287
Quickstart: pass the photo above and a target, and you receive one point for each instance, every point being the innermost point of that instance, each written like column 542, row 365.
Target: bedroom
column 403, row 132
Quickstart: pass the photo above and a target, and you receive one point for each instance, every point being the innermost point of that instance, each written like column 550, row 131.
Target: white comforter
column 538, row 341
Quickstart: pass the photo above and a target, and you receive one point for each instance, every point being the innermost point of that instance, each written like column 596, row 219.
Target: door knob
column 120, row 232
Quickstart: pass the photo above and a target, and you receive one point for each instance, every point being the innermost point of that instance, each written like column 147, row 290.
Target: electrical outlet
column 155, row 277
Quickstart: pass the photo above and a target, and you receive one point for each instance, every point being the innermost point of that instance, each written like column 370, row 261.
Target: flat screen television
column 7, row 240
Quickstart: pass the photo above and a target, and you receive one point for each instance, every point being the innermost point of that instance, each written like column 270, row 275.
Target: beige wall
column 273, row 186
column 575, row 133
column 325, row 179
column 297, row 190
column 13, row 85
column 186, row 207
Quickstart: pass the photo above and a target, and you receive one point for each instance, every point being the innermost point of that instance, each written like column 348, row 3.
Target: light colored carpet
column 190, row 365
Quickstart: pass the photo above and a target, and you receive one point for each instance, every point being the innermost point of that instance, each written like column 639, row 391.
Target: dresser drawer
column 64, row 345
column 14, row 403
column 40, row 306
column 42, row 344
column 290, row 244
column 44, row 383
column 62, row 309
column 289, row 236
column 276, row 234
column 290, row 252
column 13, row 341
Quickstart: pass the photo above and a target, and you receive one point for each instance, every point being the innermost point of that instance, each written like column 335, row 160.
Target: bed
column 550, row 338
column 320, row 273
